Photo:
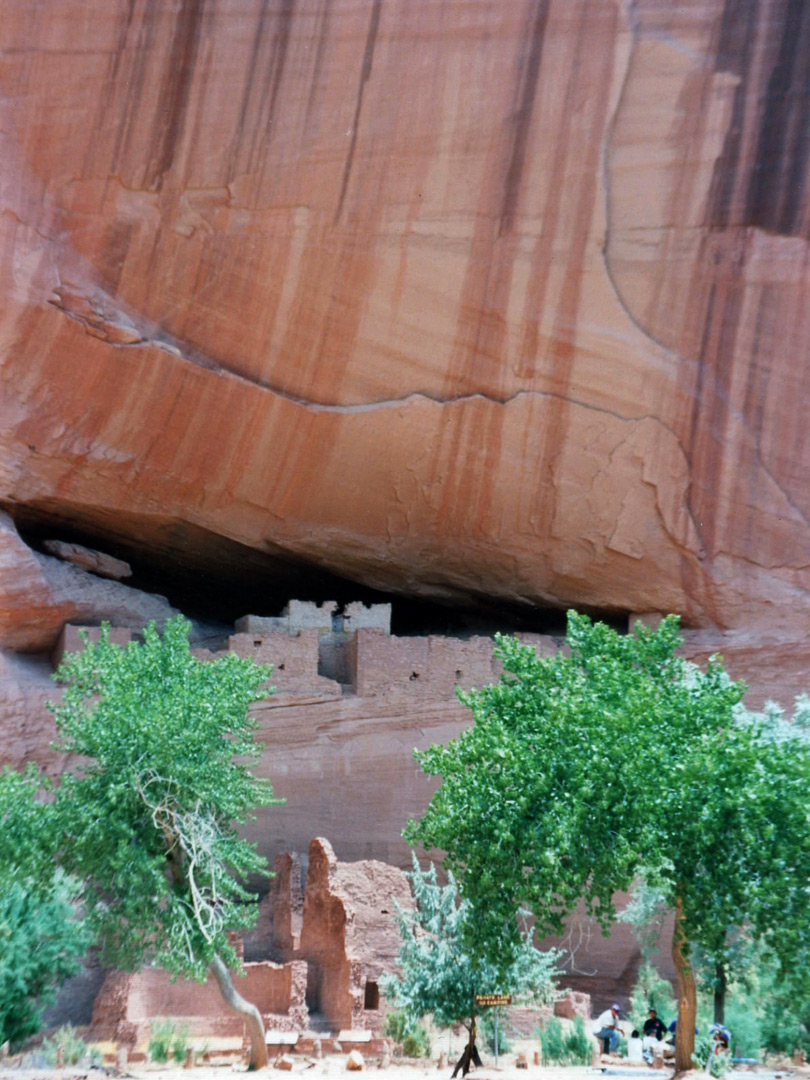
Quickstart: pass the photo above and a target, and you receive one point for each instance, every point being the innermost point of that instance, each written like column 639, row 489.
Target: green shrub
column 745, row 1024
column 579, row 1044
column 41, row 940
column 651, row 991
column 412, row 1038
column 416, row 1043
column 561, row 1047
column 721, row 1062
column 166, row 1041
column 552, row 1041
column 73, row 1047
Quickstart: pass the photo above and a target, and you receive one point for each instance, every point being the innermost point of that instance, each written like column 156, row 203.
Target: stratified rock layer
column 463, row 299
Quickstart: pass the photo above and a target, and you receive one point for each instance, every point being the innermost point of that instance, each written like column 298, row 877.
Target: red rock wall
column 459, row 300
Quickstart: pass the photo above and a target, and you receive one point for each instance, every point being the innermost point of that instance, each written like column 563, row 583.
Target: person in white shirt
column 606, row 1027
column 635, row 1049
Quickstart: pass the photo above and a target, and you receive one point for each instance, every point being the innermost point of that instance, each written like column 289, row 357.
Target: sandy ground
column 332, row 1067
column 335, row 1067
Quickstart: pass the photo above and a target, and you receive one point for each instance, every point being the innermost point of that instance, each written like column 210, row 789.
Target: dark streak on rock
column 777, row 184
column 262, row 84
column 324, row 20
column 365, row 73
column 529, row 77
column 119, row 101
column 175, row 89
column 761, row 179
column 756, row 389
column 735, row 49
column 250, row 72
column 690, row 447
column 117, row 238
column 278, row 57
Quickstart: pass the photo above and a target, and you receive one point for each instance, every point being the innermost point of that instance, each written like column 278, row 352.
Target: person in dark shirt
column 654, row 1025
column 653, row 1032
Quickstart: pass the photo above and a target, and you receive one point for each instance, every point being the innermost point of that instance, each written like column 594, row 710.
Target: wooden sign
column 493, row 999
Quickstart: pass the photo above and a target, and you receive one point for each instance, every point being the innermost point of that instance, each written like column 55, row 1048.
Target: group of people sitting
column 655, row 1037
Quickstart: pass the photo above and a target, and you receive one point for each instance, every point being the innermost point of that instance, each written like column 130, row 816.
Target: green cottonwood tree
column 41, row 936
column 441, row 974
column 615, row 760
column 164, row 747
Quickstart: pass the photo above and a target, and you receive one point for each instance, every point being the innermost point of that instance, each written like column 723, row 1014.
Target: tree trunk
column 249, row 1013
column 719, row 993
column 687, row 996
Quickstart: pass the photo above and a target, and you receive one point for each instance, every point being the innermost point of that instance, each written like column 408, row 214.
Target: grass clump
column 412, row 1039
column 74, row 1048
column 167, row 1041
column 559, row 1046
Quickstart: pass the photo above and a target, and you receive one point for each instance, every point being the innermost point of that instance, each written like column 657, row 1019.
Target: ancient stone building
column 313, row 963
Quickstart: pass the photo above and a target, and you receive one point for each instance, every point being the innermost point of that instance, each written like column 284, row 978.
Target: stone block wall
column 312, row 654
column 295, row 659
column 357, row 616
column 127, row 1003
column 419, row 667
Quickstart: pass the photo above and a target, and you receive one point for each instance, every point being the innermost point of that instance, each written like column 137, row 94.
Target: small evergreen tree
column 440, row 975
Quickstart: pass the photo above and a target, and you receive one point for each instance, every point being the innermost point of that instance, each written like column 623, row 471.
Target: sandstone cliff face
column 463, row 300
column 470, row 299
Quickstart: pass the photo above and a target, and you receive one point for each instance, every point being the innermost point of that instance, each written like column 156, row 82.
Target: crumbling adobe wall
column 277, row 933
column 348, row 932
column 323, row 940
column 127, row 1003
column 370, row 891
column 419, row 667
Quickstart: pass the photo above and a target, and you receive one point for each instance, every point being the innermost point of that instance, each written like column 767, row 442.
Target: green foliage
column 73, row 1047
column 721, row 1061
column 617, row 760
column 486, row 1029
column 645, row 913
column 167, row 1041
column 41, row 936
column 148, row 822
column 579, row 1043
column 561, row 1045
column 651, row 991
column 782, row 1010
column 785, row 1027
column 743, row 1019
column 552, row 1042
column 411, row 1037
column 440, row 974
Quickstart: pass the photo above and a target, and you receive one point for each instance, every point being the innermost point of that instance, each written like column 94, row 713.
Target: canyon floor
column 335, row 1067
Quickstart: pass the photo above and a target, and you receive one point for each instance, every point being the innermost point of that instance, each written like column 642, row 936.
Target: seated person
column 635, row 1049
column 606, row 1027
column 654, row 1032
column 654, row 1026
